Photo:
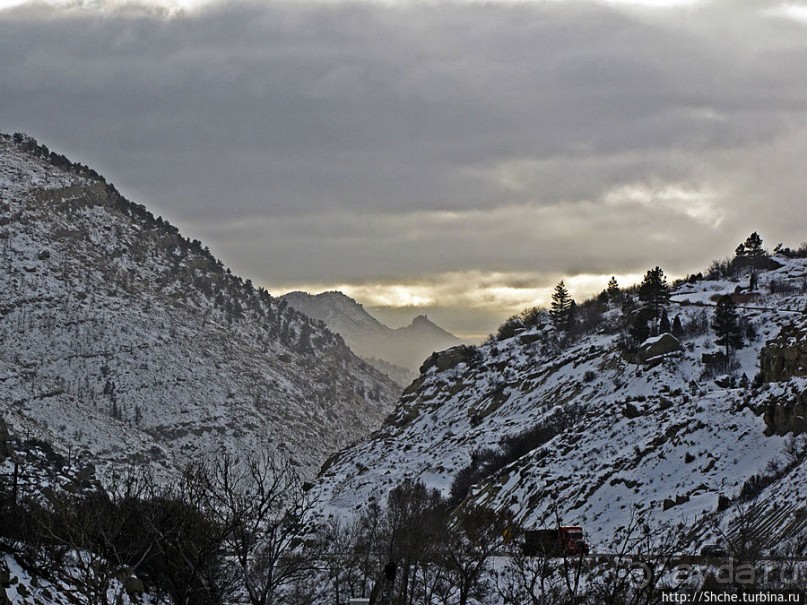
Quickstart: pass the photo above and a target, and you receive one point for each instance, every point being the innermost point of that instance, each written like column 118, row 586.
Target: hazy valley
column 397, row 352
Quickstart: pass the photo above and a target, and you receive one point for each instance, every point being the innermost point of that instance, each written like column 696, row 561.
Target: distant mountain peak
column 338, row 311
column 404, row 347
column 422, row 325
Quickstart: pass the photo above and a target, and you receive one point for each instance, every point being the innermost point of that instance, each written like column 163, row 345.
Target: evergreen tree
column 304, row 344
column 753, row 245
column 654, row 291
column 726, row 324
column 572, row 315
column 639, row 330
column 628, row 306
column 613, row 287
column 561, row 304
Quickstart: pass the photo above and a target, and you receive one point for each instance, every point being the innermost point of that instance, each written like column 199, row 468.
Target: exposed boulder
column 530, row 337
column 724, row 381
column 679, row 499
column 716, row 361
column 450, row 358
column 787, row 415
column 657, row 346
column 757, row 263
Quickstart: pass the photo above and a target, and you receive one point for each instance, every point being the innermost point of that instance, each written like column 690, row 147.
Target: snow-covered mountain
column 121, row 339
column 590, row 431
column 399, row 352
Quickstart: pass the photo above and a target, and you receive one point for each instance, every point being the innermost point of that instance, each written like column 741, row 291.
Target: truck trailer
column 556, row 542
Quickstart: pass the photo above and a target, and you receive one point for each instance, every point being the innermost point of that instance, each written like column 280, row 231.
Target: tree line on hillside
column 189, row 262
column 643, row 309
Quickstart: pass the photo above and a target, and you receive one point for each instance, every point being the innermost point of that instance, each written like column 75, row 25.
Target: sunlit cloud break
column 421, row 154
column 510, row 291
column 793, row 11
column 698, row 203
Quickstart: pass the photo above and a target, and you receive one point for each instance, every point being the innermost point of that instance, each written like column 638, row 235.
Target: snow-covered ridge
column 122, row 339
column 674, row 439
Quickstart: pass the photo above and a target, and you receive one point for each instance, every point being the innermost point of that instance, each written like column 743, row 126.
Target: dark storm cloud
column 357, row 142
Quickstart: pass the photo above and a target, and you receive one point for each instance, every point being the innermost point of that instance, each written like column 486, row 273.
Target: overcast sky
column 461, row 157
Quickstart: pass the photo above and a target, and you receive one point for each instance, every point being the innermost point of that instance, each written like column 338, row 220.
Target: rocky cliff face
column 784, row 360
column 787, row 414
column 785, row 356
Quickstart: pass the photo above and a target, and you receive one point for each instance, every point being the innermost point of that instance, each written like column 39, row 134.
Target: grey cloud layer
column 327, row 142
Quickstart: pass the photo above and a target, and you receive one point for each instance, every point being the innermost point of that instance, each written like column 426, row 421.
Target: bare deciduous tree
column 261, row 502
column 472, row 538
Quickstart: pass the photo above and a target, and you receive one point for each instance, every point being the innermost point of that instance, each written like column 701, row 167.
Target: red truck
column 557, row 542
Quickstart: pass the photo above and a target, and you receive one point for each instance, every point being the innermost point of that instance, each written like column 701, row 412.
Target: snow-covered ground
column 662, row 440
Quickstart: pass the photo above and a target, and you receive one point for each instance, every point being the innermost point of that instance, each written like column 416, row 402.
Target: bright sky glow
column 795, row 12
column 391, row 295
column 696, row 203
column 467, row 290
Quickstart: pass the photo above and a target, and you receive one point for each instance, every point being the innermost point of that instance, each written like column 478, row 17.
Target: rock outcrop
column 450, row 358
column 787, row 414
column 664, row 344
column 785, row 356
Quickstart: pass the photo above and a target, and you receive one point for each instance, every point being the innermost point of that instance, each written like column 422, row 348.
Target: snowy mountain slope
column 381, row 345
column 121, row 338
column 601, row 437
